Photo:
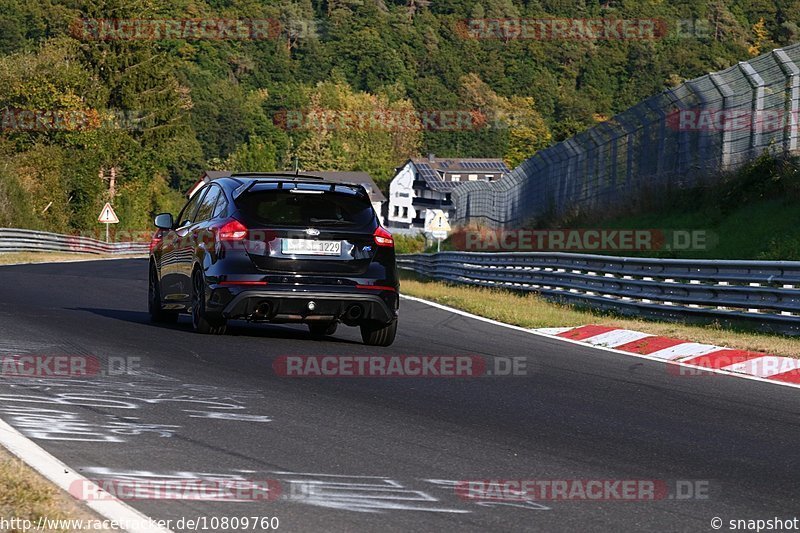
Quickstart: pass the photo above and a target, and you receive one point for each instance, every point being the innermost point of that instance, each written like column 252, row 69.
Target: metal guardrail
column 22, row 240
column 761, row 293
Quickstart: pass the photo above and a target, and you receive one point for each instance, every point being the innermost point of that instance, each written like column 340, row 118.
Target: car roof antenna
column 296, row 166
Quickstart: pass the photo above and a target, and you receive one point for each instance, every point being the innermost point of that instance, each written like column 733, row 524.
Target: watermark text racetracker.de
column 234, row 490
column 751, row 363
column 208, row 29
column 398, row 366
column 13, row 120
column 598, row 490
column 584, row 240
column 398, row 120
column 66, row 366
column 561, row 29
column 709, row 120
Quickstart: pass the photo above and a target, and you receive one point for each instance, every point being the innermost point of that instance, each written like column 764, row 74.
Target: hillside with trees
column 159, row 111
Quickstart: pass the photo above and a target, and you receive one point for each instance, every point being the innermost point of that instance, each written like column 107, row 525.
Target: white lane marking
column 766, row 366
column 603, row 348
column 64, row 477
column 615, row 338
column 686, row 349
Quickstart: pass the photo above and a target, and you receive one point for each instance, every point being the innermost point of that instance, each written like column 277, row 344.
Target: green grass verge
column 532, row 311
column 16, row 258
column 26, row 495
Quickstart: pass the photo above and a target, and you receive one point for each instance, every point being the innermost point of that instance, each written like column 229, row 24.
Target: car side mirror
column 164, row 221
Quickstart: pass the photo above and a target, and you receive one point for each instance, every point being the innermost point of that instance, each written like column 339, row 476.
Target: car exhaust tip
column 264, row 310
column 353, row 314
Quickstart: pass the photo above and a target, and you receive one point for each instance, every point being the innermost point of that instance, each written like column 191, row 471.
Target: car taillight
column 383, row 237
column 233, row 230
column 156, row 240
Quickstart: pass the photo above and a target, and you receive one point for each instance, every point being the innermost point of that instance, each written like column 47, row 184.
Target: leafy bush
column 407, row 244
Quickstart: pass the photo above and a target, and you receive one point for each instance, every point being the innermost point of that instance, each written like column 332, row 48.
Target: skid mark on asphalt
column 103, row 410
column 56, row 424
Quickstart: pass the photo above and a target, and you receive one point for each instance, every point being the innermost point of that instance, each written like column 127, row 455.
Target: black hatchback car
column 276, row 248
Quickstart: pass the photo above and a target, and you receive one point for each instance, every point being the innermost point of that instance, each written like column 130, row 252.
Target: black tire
column 321, row 330
column 379, row 334
column 202, row 322
column 157, row 312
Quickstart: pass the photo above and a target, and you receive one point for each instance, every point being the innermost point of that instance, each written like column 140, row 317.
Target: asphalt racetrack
column 377, row 453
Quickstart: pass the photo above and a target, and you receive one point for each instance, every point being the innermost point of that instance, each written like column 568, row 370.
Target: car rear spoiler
column 280, row 181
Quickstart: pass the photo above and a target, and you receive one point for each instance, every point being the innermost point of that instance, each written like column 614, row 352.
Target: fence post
column 727, row 94
column 757, row 84
column 702, row 136
column 662, row 133
column 547, row 179
column 793, row 88
column 628, row 129
column 683, row 135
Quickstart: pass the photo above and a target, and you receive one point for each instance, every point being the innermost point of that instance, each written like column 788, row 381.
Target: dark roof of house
column 433, row 170
column 359, row 178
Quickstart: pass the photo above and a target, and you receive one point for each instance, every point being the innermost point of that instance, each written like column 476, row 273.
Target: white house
column 426, row 183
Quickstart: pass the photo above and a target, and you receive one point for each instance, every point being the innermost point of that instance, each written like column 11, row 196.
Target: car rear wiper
column 329, row 221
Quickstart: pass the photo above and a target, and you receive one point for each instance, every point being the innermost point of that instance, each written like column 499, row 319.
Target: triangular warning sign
column 108, row 216
column 436, row 220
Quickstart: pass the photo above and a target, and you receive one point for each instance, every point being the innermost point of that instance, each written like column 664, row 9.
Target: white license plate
column 309, row 247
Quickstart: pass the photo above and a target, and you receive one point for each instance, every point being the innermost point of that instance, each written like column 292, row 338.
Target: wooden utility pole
column 111, row 178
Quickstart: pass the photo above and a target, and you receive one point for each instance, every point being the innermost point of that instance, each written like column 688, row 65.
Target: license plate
column 309, row 247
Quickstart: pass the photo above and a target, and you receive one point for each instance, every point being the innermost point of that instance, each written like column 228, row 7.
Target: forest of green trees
column 160, row 111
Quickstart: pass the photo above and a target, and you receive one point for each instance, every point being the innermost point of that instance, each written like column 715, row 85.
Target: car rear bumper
column 308, row 306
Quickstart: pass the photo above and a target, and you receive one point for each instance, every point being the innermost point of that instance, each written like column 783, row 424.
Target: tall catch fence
column 683, row 137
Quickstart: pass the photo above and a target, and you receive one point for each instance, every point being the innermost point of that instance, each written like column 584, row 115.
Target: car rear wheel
column 379, row 334
column 157, row 312
column 202, row 322
column 322, row 329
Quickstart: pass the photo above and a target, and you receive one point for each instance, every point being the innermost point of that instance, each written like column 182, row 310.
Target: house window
column 473, row 177
column 397, row 211
column 405, row 212
column 456, row 177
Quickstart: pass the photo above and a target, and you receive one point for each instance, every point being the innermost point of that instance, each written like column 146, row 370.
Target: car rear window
column 281, row 207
